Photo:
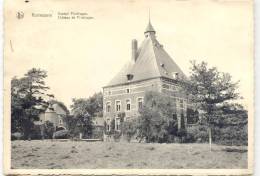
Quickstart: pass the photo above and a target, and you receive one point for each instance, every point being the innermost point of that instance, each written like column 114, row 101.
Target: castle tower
column 150, row 69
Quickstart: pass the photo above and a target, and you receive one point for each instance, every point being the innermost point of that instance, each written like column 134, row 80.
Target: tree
column 156, row 122
column 129, row 129
column 83, row 111
column 209, row 89
column 27, row 100
column 48, row 130
column 92, row 105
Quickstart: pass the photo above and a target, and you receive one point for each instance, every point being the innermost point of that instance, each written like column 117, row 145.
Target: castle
column 150, row 69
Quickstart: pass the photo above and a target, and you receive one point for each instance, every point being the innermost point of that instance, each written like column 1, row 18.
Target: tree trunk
column 210, row 138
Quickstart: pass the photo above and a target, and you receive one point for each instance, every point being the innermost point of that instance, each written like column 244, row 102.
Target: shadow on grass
column 234, row 150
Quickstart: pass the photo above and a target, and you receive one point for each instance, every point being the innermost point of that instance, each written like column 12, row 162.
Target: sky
column 81, row 56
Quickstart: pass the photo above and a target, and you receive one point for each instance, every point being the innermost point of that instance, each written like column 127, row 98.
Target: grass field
column 92, row 155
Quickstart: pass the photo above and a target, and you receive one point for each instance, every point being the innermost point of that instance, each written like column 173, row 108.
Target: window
column 60, row 121
column 140, row 103
column 118, row 106
column 165, row 86
column 127, row 90
column 117, row 125
column 128, row 105
column 108, row 106
column 175, row 75
column 129, row 77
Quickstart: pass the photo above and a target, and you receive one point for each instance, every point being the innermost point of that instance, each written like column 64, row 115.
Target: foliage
column 62, row 134
column 27, row 100
column 112, row 127
column 37, row 132
column 83, row 111
column 157, row 121
column 117, row 135
column 209, row 90
column 48, row 130
column 228, row 135
column 92, row 105
column 197, row 133
column 129, row 129
column 16, row 136
column 229, row 129
column 192, row 116
column 80, row 123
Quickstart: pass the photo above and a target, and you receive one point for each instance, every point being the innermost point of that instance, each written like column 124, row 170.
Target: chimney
column 134, row 50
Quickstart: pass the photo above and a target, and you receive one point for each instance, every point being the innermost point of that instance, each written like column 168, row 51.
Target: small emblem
column 20, row 15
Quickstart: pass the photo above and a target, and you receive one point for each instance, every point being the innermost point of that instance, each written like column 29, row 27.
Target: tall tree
column 83, row 111
column 92, row 105
column 209, row 90
column 27, row 100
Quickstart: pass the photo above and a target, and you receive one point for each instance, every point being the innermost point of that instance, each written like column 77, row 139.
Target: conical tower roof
column 149, row 28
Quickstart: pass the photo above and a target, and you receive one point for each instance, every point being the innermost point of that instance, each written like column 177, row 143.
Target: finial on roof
column 149, row 16
column 149, row 28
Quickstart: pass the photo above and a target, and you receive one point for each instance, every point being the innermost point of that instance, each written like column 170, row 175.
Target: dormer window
column 175, row 75
column 129, row 77
column 162, row 65
column 60, row 122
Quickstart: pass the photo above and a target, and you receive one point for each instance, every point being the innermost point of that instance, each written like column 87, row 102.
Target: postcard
column 128, row 87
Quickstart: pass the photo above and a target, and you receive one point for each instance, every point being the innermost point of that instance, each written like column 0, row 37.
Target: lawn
column 93, row 155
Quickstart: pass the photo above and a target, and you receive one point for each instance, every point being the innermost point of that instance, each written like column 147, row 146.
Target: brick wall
column 133, row 91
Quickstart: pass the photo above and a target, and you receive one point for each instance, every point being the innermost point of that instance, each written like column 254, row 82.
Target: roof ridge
column 156, row 62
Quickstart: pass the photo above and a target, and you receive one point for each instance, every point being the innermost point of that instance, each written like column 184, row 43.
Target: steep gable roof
column 152, row 61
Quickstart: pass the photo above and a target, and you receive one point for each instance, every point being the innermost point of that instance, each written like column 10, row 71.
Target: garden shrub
column 62, row 134
column 48, row 130
column 129, row 129
column 198, row 133
column 117, row 135
column 233, row 135
column 16, row 136
column 226, row 135
column 37, row 132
